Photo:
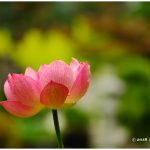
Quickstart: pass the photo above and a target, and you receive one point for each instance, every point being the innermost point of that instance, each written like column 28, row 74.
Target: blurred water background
column 114, row 37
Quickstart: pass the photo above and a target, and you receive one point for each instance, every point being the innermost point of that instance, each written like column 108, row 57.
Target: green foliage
column 135, row 103
column 143, row 10
column 76, row 117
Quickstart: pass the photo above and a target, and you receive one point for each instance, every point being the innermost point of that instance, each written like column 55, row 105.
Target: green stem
column 57, row 129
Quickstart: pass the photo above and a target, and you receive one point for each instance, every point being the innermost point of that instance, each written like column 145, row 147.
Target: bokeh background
column 114, row 37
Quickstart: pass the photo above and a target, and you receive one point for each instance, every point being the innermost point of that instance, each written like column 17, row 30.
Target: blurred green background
column 114, row 37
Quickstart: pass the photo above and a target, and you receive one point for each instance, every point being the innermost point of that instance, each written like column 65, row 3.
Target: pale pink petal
column 31, row 73
column 74, row 64
column 54, row 95
column 8, row 92
column 22, row 88
column 58, row 72
column 18, row 109
column 80, row 84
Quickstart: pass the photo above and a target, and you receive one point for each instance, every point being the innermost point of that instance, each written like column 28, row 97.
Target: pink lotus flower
column 52, row 86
